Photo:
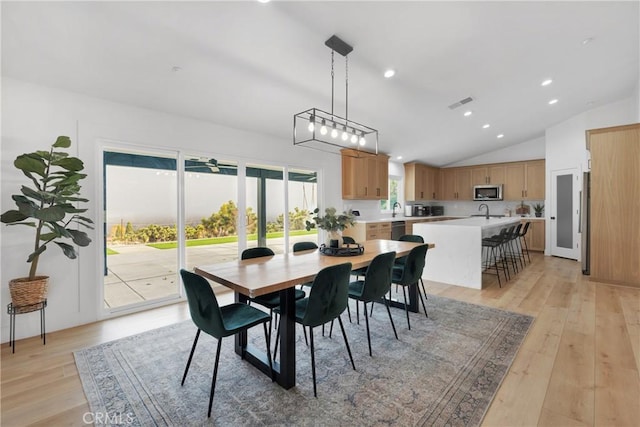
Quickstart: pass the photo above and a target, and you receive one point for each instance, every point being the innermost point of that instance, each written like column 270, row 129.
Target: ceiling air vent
column 460, row 103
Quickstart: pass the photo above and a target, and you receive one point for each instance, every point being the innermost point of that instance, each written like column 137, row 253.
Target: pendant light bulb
column 311, row 126
column 323, row 128
column 362, row 140
column 334, row 131
column 354, row 138
column 345, row 134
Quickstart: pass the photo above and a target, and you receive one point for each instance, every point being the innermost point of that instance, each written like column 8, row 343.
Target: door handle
column 553, row 217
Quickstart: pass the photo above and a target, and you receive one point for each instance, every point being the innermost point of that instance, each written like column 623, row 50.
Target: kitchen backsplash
column 371, row 208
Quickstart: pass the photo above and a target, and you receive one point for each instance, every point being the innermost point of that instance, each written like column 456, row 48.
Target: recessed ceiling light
column 587, row 41
column 553, row 101
column 500, row 136
column 389, row 73
column 399, row 158
column 175, row 68
column 468, row 113
column 547, row 82
column 486, row 126
column 264, row 1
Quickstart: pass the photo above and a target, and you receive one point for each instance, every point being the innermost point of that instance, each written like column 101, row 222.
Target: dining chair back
column 376, row 284
column 410, row 273
column 304, row 246
column 218, row 322
column 256, row 252
column 328, row 299
column 329, row 295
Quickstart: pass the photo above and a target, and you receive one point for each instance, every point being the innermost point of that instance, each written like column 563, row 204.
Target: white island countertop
column 457, row 256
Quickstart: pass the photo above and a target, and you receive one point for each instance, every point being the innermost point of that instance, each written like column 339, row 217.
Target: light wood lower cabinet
column 362, row 231
column 535, row 236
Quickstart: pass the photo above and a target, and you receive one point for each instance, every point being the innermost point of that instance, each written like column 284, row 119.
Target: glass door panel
column 140, row 201
column 211, row 211
column 265, row 207
column 303, row 199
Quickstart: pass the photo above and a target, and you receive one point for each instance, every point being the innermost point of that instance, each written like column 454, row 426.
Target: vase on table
column 334, row 239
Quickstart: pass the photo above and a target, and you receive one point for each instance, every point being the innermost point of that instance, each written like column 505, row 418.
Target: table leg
column 285, row 369
column 413, row 300
column 286, row 376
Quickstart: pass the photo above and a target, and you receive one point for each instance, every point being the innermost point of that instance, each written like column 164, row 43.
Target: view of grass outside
column 141, row 203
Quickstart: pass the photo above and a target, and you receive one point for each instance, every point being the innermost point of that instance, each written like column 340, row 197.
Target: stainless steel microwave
column 487, row 192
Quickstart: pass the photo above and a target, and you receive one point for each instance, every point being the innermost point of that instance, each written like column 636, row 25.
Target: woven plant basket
column 27, row 292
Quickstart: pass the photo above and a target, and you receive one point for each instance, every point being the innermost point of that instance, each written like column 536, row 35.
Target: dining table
column 281, row 273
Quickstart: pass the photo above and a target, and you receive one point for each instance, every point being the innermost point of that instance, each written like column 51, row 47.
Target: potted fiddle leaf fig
column 47, row 207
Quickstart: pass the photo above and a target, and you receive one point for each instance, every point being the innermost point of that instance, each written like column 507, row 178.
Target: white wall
column 33, row 116
column 528, row 150
column 566, row 142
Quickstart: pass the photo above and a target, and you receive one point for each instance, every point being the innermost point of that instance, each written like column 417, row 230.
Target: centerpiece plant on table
column 48, row 207
column 332, row 222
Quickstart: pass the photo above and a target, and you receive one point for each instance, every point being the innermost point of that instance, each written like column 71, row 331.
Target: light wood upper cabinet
column 535, row 180
column 365, row 176
column 525, row 180
column 431, row 183
column 489, row 174
column 420, row 182
column 456, row 184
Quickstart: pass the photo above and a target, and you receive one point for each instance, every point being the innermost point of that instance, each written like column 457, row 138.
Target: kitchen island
column 457, row 257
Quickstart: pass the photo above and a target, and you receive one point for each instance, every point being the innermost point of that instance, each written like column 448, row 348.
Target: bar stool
column 22, row 309
column 494, row 254
column 522, row 238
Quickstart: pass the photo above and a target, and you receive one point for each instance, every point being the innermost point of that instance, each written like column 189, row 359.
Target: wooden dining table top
column 259, row 276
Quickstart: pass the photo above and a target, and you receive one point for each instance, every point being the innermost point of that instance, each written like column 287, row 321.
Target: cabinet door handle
column 434, row 196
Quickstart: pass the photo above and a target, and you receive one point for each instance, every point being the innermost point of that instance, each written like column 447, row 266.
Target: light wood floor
column 577, row 367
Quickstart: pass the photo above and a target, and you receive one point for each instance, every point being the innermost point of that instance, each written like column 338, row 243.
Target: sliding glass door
column 140, row 201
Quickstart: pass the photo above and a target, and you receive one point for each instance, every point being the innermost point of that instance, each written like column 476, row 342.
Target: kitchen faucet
column 486, row 206
column 393, row 209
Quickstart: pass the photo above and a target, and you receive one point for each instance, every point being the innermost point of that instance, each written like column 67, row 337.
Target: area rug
column 444, row 371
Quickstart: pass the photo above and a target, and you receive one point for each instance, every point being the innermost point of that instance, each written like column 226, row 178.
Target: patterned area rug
column 444, row 371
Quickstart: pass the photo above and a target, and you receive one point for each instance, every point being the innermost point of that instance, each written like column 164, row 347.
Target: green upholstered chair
column 327, row 300
column 376, row 284
column 219, row 322
column 400, row 261
column 271, row 300
column 409, row 274
column 348, row 240
column 304, row 246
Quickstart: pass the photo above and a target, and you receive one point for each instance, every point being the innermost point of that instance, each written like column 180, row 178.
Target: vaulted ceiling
column 252, row 66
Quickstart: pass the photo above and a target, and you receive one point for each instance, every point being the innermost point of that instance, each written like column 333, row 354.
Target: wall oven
column 487, row 192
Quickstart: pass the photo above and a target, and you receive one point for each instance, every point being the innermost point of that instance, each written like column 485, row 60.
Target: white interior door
column 564, row 213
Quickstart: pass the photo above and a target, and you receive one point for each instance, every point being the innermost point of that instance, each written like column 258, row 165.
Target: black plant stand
column 22, row 309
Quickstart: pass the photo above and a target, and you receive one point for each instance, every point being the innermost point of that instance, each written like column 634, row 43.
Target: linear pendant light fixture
column 327, row 131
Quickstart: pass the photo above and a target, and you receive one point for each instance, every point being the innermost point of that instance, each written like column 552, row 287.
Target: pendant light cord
column 332, row 83
column 346, row 87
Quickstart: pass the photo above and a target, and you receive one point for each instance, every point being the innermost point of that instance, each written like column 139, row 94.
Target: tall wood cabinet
column 615, row 204
column 365, row 176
